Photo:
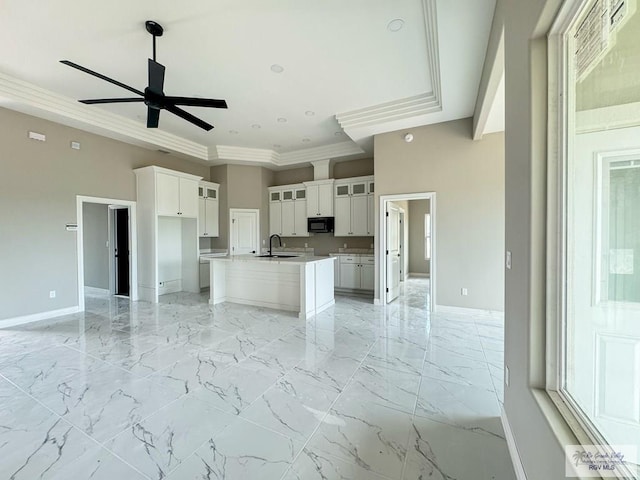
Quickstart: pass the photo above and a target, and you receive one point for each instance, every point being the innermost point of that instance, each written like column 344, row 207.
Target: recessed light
column 306, row 140
column 309, row 113
column 338, row 134
column 256, row 126
column 275, row 68
column 233, row 132
column 395, row 25
column 282, row 120
column 408, row 137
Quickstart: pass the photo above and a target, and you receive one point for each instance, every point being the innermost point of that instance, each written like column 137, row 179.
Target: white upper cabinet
column 176, row 195
column 208, row 210
column 288, row 211
column 320, row 198
column 354, row 207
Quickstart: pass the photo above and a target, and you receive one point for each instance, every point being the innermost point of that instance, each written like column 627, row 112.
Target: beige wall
column 95, row 235
column 468, row 178
column 526, row 25
column 39, row 182
column 292, row 175
column 351, row 168
column 417, row 210
column 242, row 186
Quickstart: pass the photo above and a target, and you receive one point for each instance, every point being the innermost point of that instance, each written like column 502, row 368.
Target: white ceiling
column 340, row 60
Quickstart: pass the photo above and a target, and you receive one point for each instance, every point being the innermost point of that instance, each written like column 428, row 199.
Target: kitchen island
column 298, row 284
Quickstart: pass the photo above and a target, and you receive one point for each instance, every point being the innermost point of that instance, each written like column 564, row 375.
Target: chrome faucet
column 270, row 242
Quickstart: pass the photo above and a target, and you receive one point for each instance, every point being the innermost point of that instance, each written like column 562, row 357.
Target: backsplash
column 325, row 243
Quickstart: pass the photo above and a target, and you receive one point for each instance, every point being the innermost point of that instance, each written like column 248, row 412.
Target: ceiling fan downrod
column 156, row 30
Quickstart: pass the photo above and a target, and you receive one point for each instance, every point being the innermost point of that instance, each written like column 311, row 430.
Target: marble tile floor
column 183, row 390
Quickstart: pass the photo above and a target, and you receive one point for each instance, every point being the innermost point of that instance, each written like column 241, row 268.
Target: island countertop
column 254, row 258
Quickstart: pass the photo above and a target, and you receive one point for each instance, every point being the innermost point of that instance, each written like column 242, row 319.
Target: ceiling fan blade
column 196, row 102
column 153, row 117
column 156, row 77
column 188, row 117
column 111, row 100
column 102, row 77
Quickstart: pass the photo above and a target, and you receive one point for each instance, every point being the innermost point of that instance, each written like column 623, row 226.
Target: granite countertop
column 364, row 254
column 254, row 258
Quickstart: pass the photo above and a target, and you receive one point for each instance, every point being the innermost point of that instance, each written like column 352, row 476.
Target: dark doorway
column 121, row 251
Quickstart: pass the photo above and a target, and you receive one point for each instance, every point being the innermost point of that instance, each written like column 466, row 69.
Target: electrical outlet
column 52, row 294
column 345, row 245
column 264, row 242
column 506, row 375
column 306, row 245
column 464, row 292
column 508, row 262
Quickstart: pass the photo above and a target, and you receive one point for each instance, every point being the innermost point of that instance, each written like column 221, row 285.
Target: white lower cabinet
column 355, row 272
column 367, row 276
column 349, row 275
column 204, row 274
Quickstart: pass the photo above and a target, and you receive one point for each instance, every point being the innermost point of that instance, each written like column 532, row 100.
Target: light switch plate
column 508, row 259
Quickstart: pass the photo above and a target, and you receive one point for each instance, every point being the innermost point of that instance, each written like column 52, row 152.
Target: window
column 598, row 354
column 427, row 236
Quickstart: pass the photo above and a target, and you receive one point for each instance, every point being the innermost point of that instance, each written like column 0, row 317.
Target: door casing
column 381, row 268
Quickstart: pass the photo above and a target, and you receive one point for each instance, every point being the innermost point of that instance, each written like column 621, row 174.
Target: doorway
column 407, row 247
column 121, row 251
column 244, row 234
column 107, row 247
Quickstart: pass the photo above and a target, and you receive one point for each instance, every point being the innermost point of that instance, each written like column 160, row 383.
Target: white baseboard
column 418, row 275
column 96, row 291
column 12, row 322
column 465, row 310
column 511, row 445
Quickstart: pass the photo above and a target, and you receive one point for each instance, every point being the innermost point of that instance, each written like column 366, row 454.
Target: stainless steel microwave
column 320, row 225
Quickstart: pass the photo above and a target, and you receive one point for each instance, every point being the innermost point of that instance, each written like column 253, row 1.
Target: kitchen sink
column 277, row 255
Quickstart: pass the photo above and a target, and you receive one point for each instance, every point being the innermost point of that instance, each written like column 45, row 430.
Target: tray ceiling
column 350, row 69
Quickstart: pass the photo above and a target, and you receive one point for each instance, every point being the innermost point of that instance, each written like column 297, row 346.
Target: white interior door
column 393, row 252
column 244, row 232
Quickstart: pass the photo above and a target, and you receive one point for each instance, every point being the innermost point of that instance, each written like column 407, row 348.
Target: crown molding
column 322, row 152
column 242, row 154
column 390, row 111
column 386, row 117
column 29, row 98
column 258, row 156
column 95, row 120
column 433, row 46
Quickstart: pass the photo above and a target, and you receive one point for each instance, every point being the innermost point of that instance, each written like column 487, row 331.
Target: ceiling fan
column 153, row 96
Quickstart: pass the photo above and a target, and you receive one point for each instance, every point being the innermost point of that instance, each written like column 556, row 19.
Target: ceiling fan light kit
column 153, row 95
